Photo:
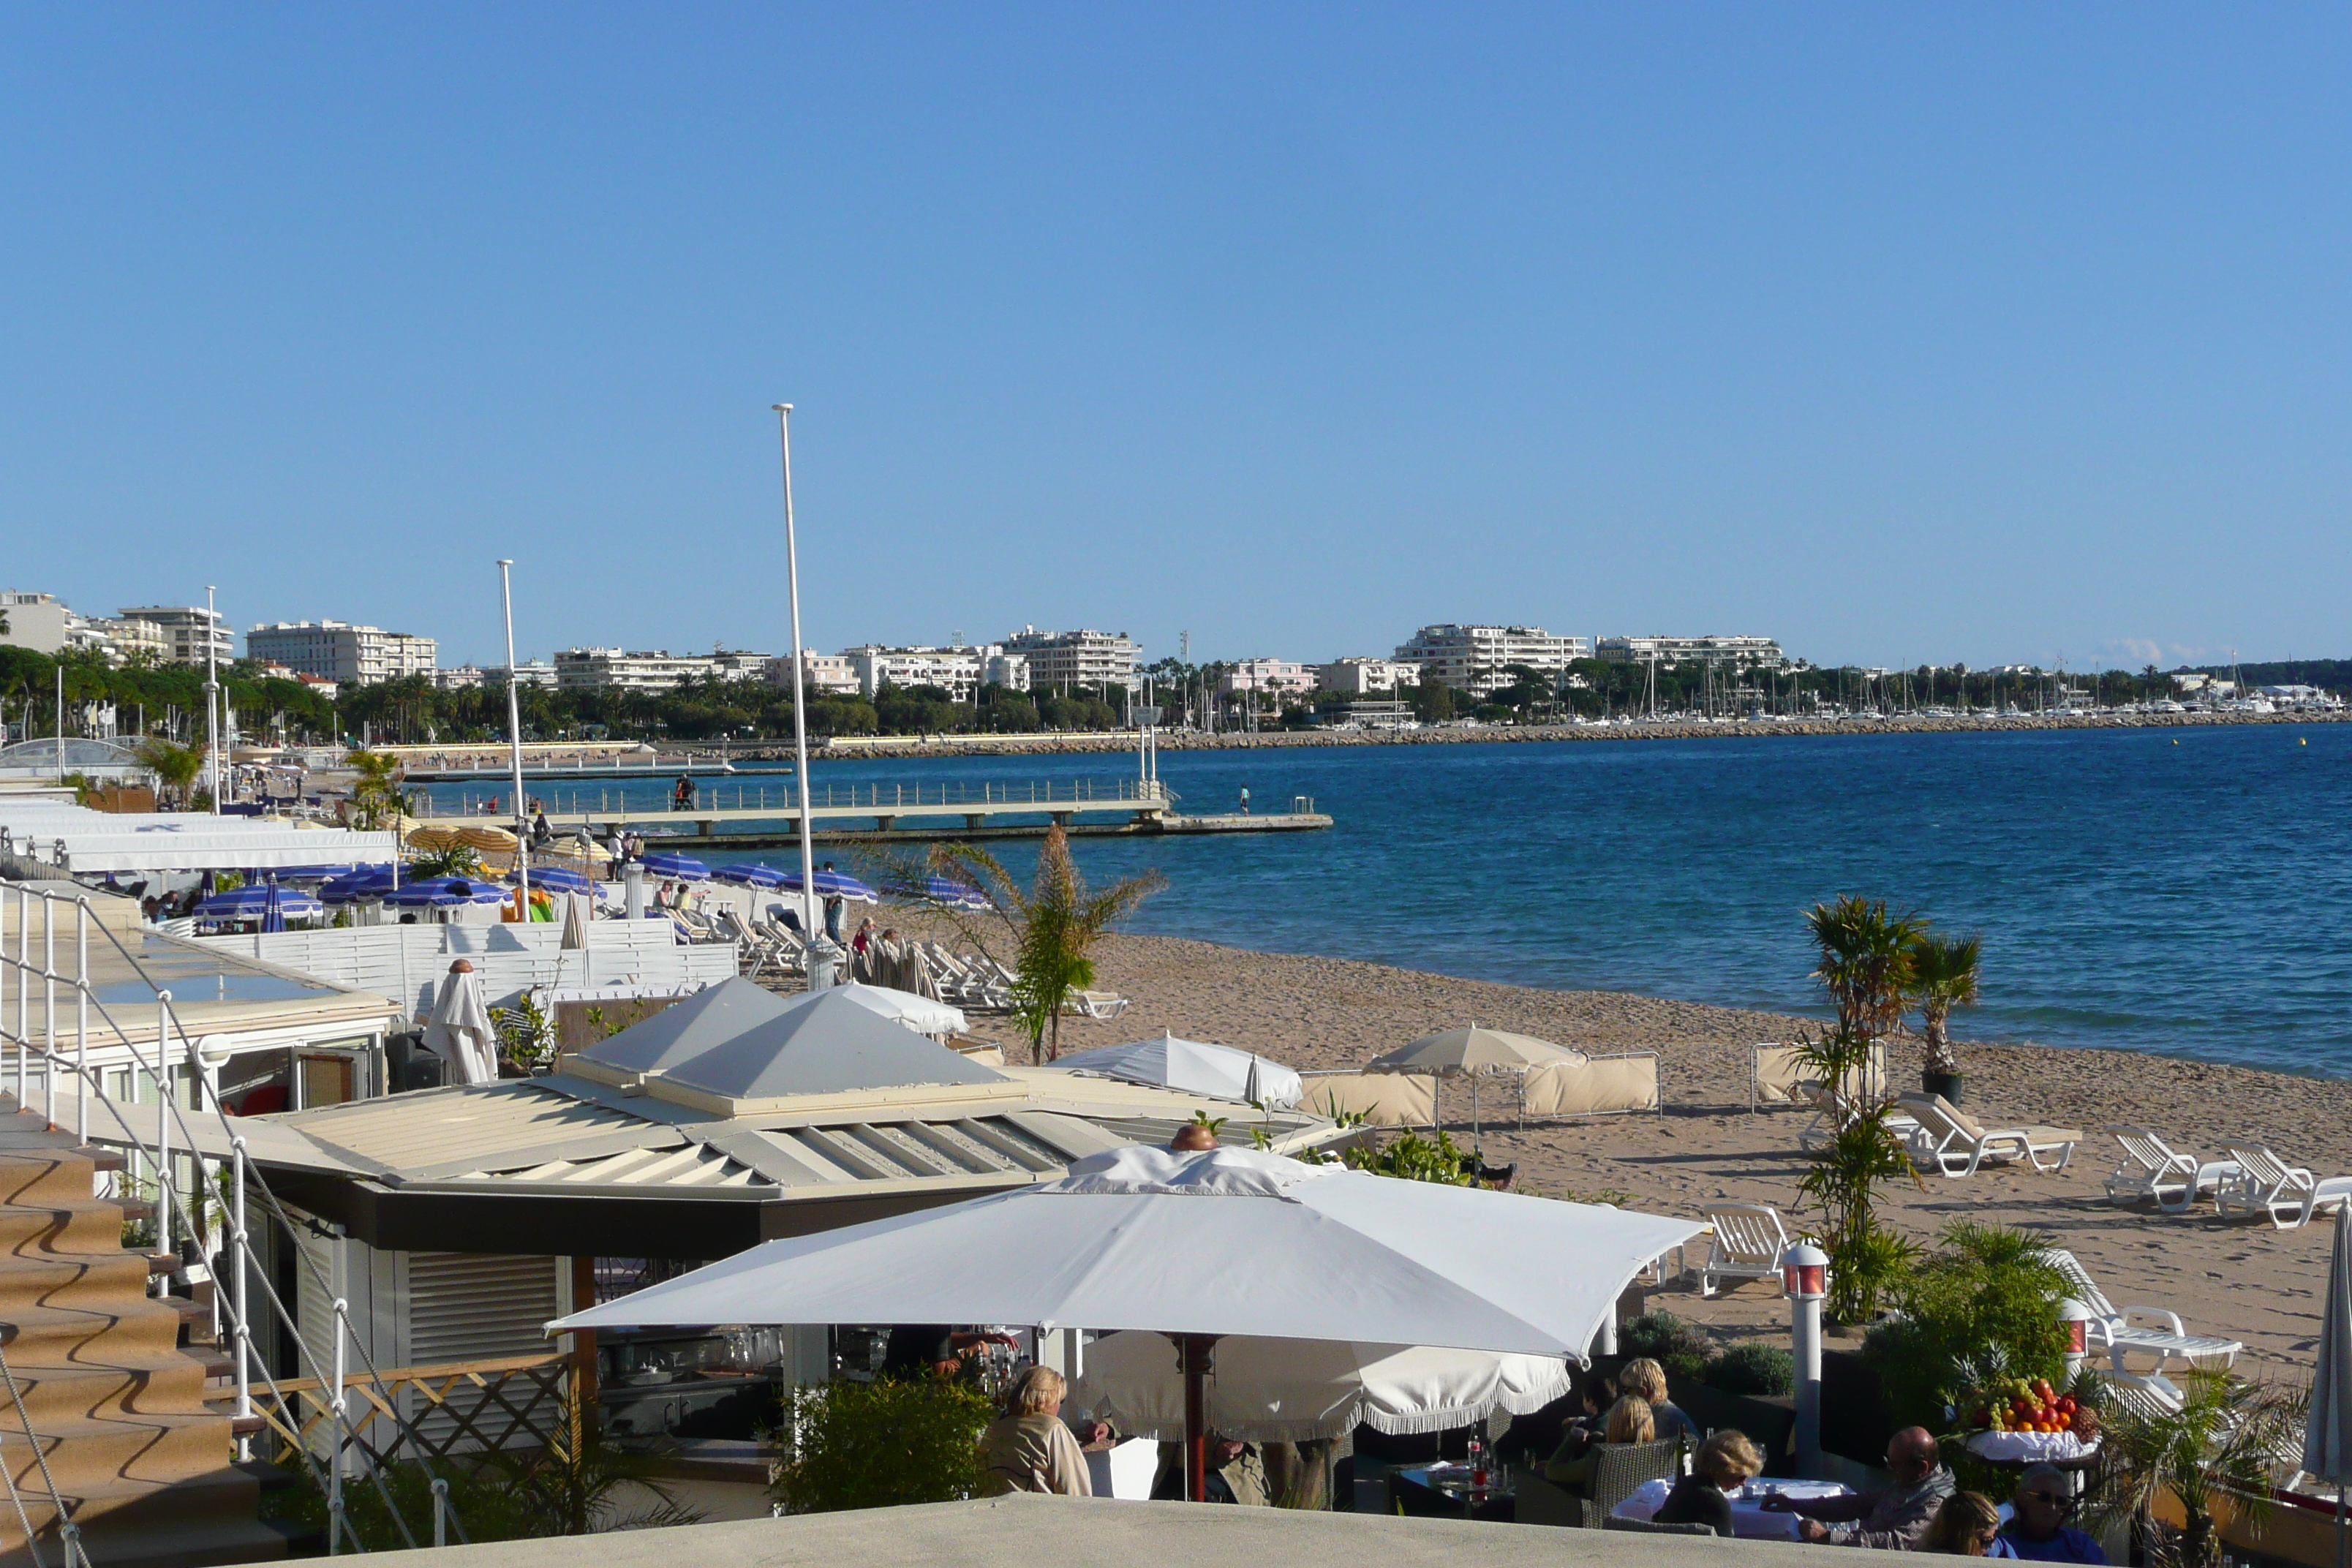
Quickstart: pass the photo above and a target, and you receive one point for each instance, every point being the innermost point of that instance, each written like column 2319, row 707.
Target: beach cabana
column 1272, row 1248
column 1195, row 1066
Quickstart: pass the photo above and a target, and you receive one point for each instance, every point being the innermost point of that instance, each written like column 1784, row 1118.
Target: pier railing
column 784, row 796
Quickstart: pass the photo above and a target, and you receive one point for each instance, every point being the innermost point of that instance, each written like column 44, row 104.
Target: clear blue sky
column 1904, row 332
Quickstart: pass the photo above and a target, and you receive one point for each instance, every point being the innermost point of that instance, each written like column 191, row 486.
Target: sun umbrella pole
column 514, row 744
column 1192, row 1354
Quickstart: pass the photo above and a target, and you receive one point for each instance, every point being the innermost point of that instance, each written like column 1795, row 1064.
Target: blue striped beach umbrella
column 366, row 883
column 831, row 883
column 444, row 892
column 552, row 879
column 749, row 874
column 254, row 901
column 944, row 891
column 685, row 867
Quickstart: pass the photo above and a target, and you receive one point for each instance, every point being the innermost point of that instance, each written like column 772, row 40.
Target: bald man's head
column 1912, row 1454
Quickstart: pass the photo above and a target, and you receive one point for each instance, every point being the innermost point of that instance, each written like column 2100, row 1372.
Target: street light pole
column 1804, row 1276
column 514, row 743
column 821, row 950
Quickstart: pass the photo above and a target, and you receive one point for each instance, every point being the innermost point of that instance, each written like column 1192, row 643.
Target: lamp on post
column 1805, row 1278
column 2077, row 1318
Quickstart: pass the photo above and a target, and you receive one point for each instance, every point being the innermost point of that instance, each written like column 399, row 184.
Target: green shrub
column 1665, row 1339
column 1414, row 1158
column 880, row 1445
column 1983, row 1306
column 1759, row 1369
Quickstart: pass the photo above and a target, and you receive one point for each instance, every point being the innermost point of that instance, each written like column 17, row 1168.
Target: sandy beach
column 2244, row 1279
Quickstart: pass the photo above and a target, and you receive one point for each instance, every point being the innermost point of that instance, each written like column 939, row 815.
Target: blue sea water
column 2189, row 899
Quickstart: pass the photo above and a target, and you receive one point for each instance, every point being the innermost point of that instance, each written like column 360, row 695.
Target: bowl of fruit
column 2026, row 1418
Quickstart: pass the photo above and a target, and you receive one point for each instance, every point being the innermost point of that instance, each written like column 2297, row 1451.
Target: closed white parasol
column 1200, row 1246
column 460, row 1032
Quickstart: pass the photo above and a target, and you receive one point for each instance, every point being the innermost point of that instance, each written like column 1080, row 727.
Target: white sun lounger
column 1956, row 1144
column 2267, row 1186
column 1746, row 1243
column 2165, row 1337
column 2152, row 1169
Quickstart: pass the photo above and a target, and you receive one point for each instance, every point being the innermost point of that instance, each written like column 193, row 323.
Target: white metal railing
column 178, row 1199
column 745, row 796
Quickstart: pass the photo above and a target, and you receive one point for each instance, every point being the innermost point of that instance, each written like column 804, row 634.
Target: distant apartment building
column 342, row 652
column 600, row 669
column 539, row 672
column 1365, row 677
column 1476, row 660
column 187, row 631
column 1746, row 653
column 44, row 624
column 1075, row 661
column 822, row 675
column 958, row 671
column 1279, row 676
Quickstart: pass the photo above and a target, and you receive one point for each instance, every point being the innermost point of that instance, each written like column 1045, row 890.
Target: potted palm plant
column 1943, row 973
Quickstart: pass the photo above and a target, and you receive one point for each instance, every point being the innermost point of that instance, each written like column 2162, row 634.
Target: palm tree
column 1866, row 957
column 1944, row 974
column 375, row 798
column 2216, row 1453
column 1053, row 926
column 175, row 767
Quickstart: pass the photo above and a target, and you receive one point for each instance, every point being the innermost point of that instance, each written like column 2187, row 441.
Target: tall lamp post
column 821, row 953
column 514, row 746
column 1805, row 1277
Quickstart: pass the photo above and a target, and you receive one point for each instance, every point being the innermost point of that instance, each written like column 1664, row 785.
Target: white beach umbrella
column 1454, row 1053
column 460, row 1032
column 1202, row 1245
column 1286, row 1391
column 2328, row 1439
column 1195, row 1067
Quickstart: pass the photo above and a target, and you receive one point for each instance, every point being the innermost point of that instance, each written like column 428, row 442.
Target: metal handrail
column 174, row 1202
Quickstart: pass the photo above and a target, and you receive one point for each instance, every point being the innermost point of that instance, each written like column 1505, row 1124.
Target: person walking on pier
column 681, row 798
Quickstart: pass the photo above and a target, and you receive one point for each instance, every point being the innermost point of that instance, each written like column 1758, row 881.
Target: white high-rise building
column 1750, row 653
column 959, row 671
column 611, row 669
column 1075, row 661
column 1365, row 677
column 345, row 654
column 1476, row 658
column 187, row 630
column 46, row 624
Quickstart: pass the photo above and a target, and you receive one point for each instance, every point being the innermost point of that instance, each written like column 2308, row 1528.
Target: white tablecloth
column 1749, row 1519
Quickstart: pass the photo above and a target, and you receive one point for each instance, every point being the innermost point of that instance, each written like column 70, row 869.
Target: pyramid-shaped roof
column 830, row 1045
column 683, row 1030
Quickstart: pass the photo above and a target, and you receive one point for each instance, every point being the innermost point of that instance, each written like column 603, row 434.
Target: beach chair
column 2152, row 1169
column 2112, row 1326
column 2267, row 1186
column 1746, row 1243
column 1833, row 1111
column 1957, row 1145
column 2152, row 1397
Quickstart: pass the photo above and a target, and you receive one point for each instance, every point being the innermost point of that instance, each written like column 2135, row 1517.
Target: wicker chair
column 1622, row 1469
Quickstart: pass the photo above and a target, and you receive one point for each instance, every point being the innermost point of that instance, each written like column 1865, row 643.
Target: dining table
column 1750, row 1521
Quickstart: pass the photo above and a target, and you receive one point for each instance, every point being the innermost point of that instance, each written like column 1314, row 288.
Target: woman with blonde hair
column 1028, row 1449
column 1629, row 1422
column 1968, row 1525
column 1648, row 1379
column 1722, row 1466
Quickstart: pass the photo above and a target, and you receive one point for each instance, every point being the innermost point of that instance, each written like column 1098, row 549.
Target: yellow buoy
column 2301, row 741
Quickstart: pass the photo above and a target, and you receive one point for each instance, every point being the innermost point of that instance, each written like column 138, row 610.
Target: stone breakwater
column 895, row 746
